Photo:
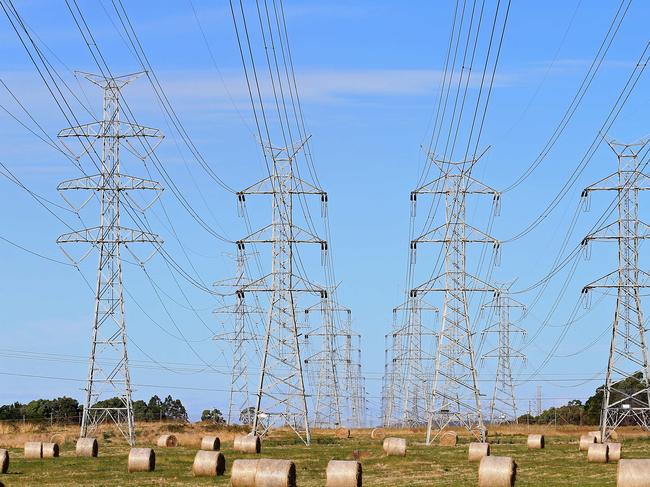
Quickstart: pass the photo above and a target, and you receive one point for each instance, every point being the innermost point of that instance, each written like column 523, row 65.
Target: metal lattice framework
column 326, row 364
column 456, row 398
column 334, row 366
column 410, row 364
column 241, row 321
column 626, row 389
column 108, row 371
column 503, row 405
column 281, row 395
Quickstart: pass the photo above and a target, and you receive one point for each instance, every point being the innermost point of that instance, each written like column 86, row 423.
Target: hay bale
column 598, row 453
column 59, row 438
column 208, row 464
column 614, row 452
column 597, row 435
column 4, row 461
column 167, row 441
column 633, row 473
column 586, row 441
column 87, row 447
column 50, row 450
column 342, row 473
column 210, row 443
column 497, row 472
column 477, row 451
column 535, row 442
column 395, row 447
column 242, row 473
column 342, row 433
column 33, row 449
column 248, row 444
column 448, row 438
column 141, row 460
column 275, row 473
column 378, row 434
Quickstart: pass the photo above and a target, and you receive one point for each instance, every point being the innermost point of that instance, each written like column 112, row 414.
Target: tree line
column 68, row 410
column 577, row 413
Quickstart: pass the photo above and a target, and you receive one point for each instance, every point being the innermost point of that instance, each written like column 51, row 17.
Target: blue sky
column 369, row 74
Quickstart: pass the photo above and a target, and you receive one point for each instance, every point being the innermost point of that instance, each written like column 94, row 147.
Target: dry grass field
column 559, row 464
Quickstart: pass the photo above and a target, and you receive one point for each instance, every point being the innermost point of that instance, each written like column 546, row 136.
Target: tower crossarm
column 446, row 233
column 109, row 235
column 440, row 284
column 612, row 280
column 612, row 231
column 300, row 285
column 620, row 181
column 98, row 182
column 298, row 236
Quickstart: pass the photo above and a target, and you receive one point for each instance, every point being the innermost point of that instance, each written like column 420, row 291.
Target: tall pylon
column 281, row 395
column 242, row 321
column 108, row 371
column 455, row 396
column 626, row 392
column 327, row 364
column 411, row 363
column 503, row 405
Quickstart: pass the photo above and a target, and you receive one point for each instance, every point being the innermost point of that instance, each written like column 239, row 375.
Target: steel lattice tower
column 411, row 365
column 626, row 389
column 108, row 371
column 503, row 405
column 328, row 362
column 456, row 397
column 240, row 338
column 281, row 396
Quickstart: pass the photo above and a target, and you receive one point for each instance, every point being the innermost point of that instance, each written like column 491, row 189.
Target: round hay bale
column 4, row 461
column 141, row 460
column 448, row 438
column 87, row 447
column 208, row 464
column 477, row 451
column 342, row 433
column 275, row 473
column 378, row 434
column 598, row 453
column 242, row 473
column 341, row 473
column 50, row 450
column 395, row 447
column 597, row 435
column 167, row 441
column 59, row 438
column 535, row 442
column 614, row 452
column 586, row 441
column 33, row 449
column 633, row 473
column 497, row 472
column 210, row 443
column 248, row 444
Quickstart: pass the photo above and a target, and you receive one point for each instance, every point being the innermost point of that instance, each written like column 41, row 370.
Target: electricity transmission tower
column 108, row 372
column 281, row 396
column 503, row 406
column 456, row 397
column 626, row 390
column 410, row 363
column 243, row 319
column 328, row 362
column 356, row 394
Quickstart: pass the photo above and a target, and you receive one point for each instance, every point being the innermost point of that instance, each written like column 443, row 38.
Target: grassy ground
column 559, row 464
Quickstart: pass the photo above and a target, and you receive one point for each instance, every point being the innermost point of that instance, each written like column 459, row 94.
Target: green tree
column 213, row 415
